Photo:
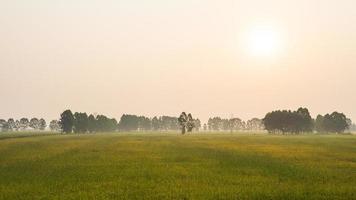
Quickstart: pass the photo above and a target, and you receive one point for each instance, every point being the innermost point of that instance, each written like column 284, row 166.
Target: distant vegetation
column 233, row 124
column 300, row 121
column 142, row 123
column 187, row 123
column 334, row 122
column 23, row 124
column 275, row 122
column 82, row 123
column 287, row 121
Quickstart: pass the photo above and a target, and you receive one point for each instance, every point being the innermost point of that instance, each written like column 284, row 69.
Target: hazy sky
column 155, row 57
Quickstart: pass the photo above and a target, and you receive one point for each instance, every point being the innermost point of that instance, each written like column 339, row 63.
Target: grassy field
column 171, row 166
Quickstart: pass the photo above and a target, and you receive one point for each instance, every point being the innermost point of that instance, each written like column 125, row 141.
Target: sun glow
column 264, row 41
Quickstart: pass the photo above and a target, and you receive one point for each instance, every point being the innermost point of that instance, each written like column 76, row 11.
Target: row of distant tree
column 280, row 121
column 300, row 121
column 142, row 123
column 233, row 124
column 84, row 123
column 22, row 124
column 162, row 123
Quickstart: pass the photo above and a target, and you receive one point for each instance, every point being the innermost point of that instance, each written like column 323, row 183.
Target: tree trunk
column 183, row 130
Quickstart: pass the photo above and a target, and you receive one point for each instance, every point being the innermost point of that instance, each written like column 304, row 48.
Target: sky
column 152, row 57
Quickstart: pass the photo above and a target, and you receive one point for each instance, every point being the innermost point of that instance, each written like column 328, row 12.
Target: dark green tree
column 129, row 123
column 305, row 120
column 104, row 124
column 287, row 121
column 319, row 124
column 92, row 124
column 168, row 123
column 144, row 123
column 67, row 121
column 80, row 122
column 335, row 122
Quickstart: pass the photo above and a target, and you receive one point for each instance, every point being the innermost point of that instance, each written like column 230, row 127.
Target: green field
column 172, row 166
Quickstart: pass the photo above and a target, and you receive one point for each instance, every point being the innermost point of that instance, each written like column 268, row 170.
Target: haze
column 164, row 57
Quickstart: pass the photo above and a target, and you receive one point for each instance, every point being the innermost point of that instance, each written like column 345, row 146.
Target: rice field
column 172, row 166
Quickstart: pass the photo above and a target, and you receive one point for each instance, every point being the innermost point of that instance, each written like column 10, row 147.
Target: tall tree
column 144, row 123
column 10, row 124
column 54, row 125
column 186, row 122
column 319, row 124
column 183, row 120
column 305, row 120
column 349, row 123
column 105, row 124
column 24, row 123
column 156, row 124
column 190, row 123
column 35, row 123
column 168, row 123
column 255, row 124
column 67, row 121
column 336, row 122
column 80, row 122
column 17, row 125
column 236, row 124
column 215, row 124
column 3, row 125
column 129, row 123
column 92, row 124
column 42, row 124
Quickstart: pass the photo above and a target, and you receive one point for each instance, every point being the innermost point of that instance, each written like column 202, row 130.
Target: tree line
column 84, row 123
column 233, row 124
column 23, row 124
column 300, row 121
column 142, row 123
column 275, row 122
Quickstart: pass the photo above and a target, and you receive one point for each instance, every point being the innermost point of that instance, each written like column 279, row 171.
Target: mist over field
column 178, row 99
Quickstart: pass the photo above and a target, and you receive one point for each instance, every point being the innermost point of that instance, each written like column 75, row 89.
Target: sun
column 264, row 41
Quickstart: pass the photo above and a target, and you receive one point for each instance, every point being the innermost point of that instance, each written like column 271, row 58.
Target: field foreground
column 171, row 166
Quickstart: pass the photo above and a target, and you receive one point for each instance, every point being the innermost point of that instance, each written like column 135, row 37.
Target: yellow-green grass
column 172, row 166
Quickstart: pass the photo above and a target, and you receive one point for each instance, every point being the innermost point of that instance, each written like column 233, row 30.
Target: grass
column 171, row 166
